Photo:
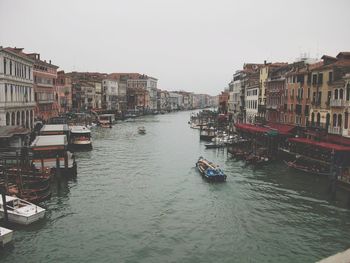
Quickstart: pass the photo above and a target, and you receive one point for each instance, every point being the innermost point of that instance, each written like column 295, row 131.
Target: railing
column 334, row 130
column 339, row 103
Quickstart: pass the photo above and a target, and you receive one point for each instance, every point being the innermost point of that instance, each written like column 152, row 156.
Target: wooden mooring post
column 3, row 196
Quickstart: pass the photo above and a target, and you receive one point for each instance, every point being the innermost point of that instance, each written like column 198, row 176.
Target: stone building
column 45, row 77
column 16, row 88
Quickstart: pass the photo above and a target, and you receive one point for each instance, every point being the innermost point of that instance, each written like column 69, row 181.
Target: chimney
column 50, row 61
column 265, row 62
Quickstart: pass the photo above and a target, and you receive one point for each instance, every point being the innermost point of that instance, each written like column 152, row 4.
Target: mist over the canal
column 139, row 198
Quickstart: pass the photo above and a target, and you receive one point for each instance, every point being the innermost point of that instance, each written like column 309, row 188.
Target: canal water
column 139, row 198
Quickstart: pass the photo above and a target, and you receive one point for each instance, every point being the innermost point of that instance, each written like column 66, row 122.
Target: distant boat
column 210, row 171
column 20, row 211
column 5, row 236
column 141, row 130
column 215, row 145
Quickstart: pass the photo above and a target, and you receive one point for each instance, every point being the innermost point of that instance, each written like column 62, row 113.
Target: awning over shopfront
column 251, row 128
column 323, row 145
column 282, row 129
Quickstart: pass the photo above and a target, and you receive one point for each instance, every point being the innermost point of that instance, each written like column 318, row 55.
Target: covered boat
column 47, row 149
column 80, row 137
column 210, row 171
column 20, row 211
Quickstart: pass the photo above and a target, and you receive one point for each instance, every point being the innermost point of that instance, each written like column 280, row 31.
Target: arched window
column 18, row 118
column 7, row 119
column 328, row 120
column 27, row 119
column 348, row 92
column 22, row 118
column 334, row 120
column 341, row 93
column 318, row 119
column 13, row 119
column 312, row 118
column 340, row 119
column 346, row 120
column 336, row 94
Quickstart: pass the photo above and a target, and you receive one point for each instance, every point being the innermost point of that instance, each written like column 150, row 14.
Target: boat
column 5, row 236
column 141, row 130
column 214, row 145
column 207, row 134
column 80, row 137
column 210, row 171
column 20, row 211
column 106, row 120
column 307, row 169
column 47, row 149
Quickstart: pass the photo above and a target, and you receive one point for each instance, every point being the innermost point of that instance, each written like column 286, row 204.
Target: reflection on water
column 139, row 198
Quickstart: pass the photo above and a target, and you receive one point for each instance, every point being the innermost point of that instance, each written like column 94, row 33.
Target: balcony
column 45, row 101
column 339, row 103
column 335, row 130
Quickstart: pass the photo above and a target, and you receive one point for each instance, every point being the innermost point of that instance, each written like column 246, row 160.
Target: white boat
column 20, row 211
column 141, row 130
column 5, row 236
column 80, row 136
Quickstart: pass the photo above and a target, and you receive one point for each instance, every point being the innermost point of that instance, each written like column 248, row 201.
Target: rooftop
column 50, row 140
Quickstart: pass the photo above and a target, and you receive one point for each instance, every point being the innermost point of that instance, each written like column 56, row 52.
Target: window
column 330, row 77
column 336, row 94
column 334, row 120
column 308, row 93
column 348, row 92
column 314, row 79
column 5, row 66
column 11, row 67
column 340, row 119
column 346, row 120
column 320, row 78
column 341, row 94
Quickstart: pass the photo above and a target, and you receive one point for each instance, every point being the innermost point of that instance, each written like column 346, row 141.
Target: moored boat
column 210, row 171
column 80, row 137
column 5, row 236
column 20, row 211
column 316, row 170
column 48, row 149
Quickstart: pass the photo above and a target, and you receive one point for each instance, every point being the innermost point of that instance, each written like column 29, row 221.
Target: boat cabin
column 46, row 150
column 80, row 135
column 55, row 129
column 110, row 118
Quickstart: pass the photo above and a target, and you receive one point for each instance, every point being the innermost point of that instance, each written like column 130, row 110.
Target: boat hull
column 22, row 219
column 5, row 236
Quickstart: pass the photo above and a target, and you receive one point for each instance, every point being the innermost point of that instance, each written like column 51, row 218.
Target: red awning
column 251, row 128
column 331, row 138
column 324, row 145
column 283, row 129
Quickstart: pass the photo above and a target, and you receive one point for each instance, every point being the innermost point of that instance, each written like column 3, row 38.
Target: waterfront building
column 252, row 96
column 234, row 103
column 223, row 101
column 110, row 94
column 45, row 77
column 17, row 102
column 263, row 76
column 148, row 83
column 339, row 94
column 175, row 101
column 63, row 93
column 138, row 99
column 275, row 94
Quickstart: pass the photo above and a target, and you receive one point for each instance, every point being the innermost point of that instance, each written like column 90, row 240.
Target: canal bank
column 139, row 198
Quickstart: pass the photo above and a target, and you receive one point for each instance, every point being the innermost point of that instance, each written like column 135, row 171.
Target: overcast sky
column 188, row 45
